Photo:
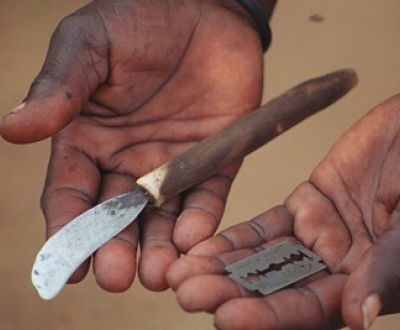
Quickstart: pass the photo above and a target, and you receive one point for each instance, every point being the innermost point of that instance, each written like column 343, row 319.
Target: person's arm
column 347, row 212
column 126, row 86
column 259, row 13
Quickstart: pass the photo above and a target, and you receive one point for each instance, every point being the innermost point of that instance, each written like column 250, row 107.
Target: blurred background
column 311, row 37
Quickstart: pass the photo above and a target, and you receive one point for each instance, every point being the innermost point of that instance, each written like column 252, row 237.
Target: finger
column 157, row 248
column 115, row 262
column 271, row 224
column 71, row 71
column 70, row 189
column 318, row 225
column 201, row 283
column 207, row 292
column 203, row 208
column 376, row 281
column 314, row 307
column 190, row 266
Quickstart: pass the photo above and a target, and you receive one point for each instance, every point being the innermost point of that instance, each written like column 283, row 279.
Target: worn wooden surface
column 246, row 135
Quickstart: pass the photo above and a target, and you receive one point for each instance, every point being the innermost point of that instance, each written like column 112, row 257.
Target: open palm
column 126, row 86
column 348, row 213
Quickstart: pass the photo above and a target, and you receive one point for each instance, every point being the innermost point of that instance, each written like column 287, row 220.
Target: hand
column 348, row 213
column 126, row 86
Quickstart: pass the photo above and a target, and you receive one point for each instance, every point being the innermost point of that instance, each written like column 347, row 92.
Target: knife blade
column 63, row 253
column 71, row 246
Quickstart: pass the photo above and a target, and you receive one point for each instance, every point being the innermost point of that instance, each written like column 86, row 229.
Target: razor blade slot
column 275, row 268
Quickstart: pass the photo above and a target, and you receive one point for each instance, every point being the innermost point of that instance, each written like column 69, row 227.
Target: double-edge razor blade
column 275, row 268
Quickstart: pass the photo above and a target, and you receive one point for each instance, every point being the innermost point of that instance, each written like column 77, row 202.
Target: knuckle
column 68, row 25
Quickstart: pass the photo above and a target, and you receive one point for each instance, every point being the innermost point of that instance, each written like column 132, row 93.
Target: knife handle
column 245, row 135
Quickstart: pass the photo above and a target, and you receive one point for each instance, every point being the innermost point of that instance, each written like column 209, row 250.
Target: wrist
column 266, row 7
column 257, row 13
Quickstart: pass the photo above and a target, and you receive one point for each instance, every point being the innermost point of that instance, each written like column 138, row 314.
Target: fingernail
column 12, row 112
column 17, row 109
column 370, row 309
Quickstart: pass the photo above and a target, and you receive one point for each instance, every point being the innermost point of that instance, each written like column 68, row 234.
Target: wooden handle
column 246, row 135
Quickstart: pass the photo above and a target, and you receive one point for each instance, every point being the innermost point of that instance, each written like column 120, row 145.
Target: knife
column 65, row 251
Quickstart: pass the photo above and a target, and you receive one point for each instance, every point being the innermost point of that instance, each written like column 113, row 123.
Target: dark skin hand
column 126, row 86
column 347, row 212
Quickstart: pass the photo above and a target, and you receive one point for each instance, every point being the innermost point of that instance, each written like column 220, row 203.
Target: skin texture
column 347, row 212
column 126, row 86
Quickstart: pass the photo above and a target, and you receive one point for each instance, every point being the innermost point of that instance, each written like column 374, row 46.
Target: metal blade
column 275, row 268
column 64, row 252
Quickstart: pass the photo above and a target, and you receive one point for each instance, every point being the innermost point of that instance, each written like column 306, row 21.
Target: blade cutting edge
column 65, row 251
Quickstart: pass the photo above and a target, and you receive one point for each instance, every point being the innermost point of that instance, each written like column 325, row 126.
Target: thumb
column 58, row 93
column 376, row 281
